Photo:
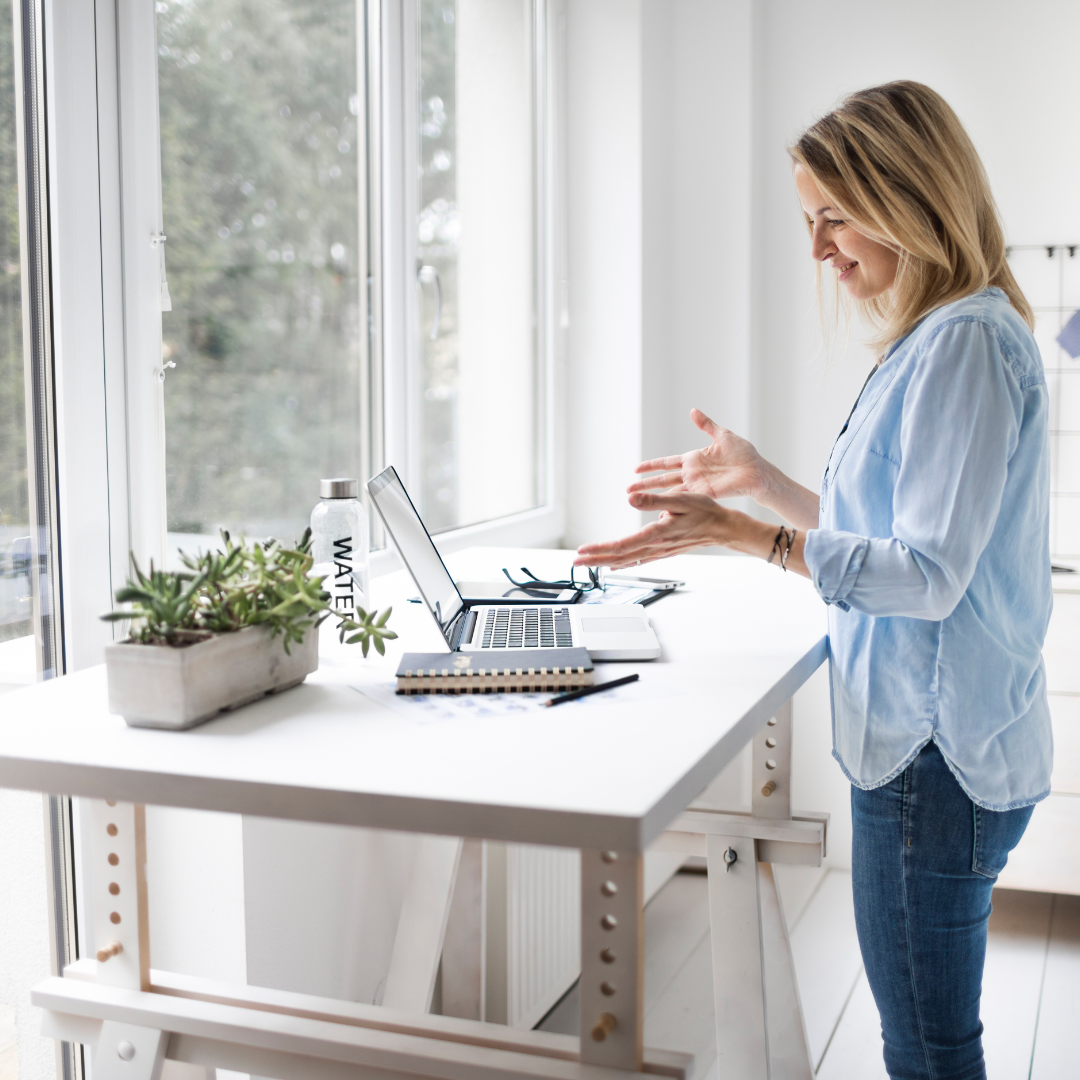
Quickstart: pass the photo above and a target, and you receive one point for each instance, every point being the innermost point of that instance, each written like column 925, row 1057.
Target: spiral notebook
column 508, row 671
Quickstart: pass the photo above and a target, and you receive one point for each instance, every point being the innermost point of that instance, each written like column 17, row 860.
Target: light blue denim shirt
column 933, row 553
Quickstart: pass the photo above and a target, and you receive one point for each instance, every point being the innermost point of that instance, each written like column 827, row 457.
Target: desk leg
column 117, row 882
column 464, row 952
column 418, row 944
column 789, row 1053
column 738, row 984
column 612, row 959
column 760, row 1033
column 789, row 1049
column 770, row 786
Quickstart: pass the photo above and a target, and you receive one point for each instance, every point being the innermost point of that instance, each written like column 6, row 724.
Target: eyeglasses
column 538, row 585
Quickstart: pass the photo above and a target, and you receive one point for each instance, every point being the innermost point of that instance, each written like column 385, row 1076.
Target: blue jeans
column 924, row 859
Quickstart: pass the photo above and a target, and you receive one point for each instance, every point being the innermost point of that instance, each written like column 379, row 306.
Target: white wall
column 693, row 239
column 496, row 331
column 727, row 317
column 690, row 276
column 604, row 257
column 195, row 882
column 1009, row 72
column 322, row 906
column 696, row 230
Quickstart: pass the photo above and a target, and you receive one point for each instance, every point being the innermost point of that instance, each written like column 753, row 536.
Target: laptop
column 608, row 632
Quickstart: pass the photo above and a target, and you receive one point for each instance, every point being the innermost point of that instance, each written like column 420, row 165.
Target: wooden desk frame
column 139, row 1021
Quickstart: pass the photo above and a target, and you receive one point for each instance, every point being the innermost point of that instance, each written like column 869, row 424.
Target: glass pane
column 24, row 900
column 479, row 428
column 18, row 663
column 259, row 181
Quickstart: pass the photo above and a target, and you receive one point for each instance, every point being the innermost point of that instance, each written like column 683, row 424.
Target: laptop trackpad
column 608, row 636
column 621, row 624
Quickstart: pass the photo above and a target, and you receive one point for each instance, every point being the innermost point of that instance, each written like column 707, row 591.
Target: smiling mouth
column 845, row 267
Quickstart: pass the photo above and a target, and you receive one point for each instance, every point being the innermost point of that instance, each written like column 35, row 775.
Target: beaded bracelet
column 787, row 550
column 776, row 547
column 789, row 539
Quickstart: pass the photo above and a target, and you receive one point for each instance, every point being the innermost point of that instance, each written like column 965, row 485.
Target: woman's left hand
column 686, row 521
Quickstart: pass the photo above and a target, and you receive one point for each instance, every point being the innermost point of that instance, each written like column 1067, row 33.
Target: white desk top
column 737, row 644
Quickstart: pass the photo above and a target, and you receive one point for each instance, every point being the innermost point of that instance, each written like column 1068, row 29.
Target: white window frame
column 105, row 204
column 85, row 330
column 107, row 207
column 88, row 324
column 392, row 354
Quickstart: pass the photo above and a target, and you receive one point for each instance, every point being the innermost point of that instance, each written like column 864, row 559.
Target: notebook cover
column 495, row 660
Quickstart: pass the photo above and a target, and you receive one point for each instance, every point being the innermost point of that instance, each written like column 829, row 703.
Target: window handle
column 157, row 240
column 424, row 274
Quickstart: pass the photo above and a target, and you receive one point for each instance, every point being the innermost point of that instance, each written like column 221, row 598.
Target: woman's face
column 865, row 267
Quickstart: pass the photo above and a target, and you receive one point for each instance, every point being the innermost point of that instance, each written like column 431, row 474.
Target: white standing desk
column 610, row 780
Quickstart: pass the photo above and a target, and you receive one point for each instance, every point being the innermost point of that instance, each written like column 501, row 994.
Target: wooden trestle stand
column 139, row 1020
column 611, row 780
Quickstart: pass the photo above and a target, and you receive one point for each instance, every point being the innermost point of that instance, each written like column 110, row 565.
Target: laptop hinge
column 463, row 629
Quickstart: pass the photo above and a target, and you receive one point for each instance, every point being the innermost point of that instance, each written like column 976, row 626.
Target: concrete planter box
column 164, row 687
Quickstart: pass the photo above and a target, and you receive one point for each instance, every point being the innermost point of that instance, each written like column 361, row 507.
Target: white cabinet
column 1048, row 857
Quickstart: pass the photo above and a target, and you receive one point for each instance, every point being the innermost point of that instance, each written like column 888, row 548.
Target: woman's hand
column 689, row 521
column 686, row 521
column 729, row 467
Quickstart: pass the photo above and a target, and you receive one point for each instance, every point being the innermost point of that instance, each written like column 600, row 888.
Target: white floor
column 9, row 1050
column 1031, row 988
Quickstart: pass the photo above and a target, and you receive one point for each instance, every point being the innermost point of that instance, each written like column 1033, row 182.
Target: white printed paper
column 440, row 708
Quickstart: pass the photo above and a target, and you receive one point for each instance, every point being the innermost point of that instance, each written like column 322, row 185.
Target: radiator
column 534, row 926
column 543, row 926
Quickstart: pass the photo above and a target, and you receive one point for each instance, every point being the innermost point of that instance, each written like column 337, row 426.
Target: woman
column 929, row 541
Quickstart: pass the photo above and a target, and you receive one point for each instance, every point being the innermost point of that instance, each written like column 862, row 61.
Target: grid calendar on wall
column 1050, row 278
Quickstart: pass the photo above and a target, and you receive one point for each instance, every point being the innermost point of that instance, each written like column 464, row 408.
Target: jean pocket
column 997, row 832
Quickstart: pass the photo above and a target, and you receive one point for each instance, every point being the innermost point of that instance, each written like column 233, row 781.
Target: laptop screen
column 437, row 588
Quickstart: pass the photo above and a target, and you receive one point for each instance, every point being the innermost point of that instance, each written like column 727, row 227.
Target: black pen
column 585, row 690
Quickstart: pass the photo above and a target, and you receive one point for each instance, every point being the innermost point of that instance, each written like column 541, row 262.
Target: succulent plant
column 261, row 584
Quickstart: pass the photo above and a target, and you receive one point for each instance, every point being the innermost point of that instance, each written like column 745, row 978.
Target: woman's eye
column 838, row 221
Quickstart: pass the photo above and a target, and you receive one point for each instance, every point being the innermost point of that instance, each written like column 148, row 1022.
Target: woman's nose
column 822, row 246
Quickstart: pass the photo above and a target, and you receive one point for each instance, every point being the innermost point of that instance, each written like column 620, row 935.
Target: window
column 30, row 627
column 260, row 150
column 342, row 290
column 28, row 623
column 17, row 664
column 478, row 401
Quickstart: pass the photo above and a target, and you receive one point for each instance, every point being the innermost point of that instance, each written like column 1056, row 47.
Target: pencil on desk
column 574, row 694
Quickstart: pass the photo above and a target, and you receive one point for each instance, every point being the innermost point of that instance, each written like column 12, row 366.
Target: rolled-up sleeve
column 834, row 559
column 959, row 427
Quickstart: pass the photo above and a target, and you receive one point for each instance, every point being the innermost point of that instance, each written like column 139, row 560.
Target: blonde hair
column 899, row 163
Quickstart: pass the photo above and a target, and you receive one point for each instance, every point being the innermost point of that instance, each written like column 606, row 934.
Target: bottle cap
column 338, row 488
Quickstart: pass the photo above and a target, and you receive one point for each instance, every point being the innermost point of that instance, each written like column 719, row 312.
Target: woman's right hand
column 727, row 468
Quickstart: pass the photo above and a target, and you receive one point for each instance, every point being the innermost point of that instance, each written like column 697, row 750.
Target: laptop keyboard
column 527, row 628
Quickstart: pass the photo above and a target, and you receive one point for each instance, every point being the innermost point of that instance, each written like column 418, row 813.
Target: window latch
column 157, row 240
column 428, row 274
